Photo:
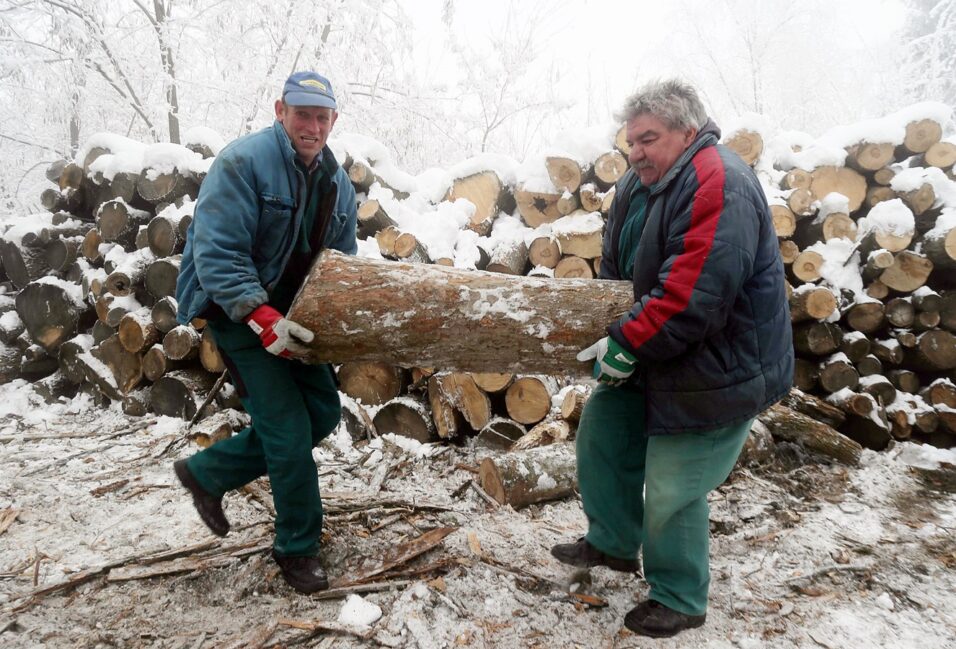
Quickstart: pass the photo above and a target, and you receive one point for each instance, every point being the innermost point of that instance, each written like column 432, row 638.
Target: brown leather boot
column 304, row 574
column 208, row 506
column 655, row 620
column 584, row 555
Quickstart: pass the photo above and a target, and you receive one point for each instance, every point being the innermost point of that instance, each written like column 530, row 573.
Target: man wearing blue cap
column 270, row 202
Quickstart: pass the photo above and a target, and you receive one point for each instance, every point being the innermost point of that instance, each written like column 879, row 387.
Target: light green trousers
column 650, row 493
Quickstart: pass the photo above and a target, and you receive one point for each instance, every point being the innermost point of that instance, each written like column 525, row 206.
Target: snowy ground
column 804, row 553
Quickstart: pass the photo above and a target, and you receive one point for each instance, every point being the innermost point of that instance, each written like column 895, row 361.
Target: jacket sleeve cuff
column 615, row 331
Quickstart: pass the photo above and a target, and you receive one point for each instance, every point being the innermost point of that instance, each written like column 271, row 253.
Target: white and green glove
column 612, row 363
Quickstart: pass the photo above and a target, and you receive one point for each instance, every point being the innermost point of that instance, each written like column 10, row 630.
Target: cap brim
column 309, row 99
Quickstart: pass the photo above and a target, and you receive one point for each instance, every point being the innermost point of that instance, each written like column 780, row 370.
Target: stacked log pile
column 870, row 250
column 94, row 309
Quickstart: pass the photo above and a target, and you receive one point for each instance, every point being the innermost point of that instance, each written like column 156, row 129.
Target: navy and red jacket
column 710, row 325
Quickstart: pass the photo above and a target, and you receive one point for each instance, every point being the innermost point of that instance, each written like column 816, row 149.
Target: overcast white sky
column 613, row 45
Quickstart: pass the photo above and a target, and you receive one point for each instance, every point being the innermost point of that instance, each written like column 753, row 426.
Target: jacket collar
column 707, row 136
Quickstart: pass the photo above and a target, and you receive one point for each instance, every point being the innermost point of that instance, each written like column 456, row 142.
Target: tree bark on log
column 528, row 477
column 180, row 393
column 156, row 364
column 513, row 323
column 51, row 314
column 163, row 235
column 126, row 367
column 182, row 343
column 67, row 354
column 940, row 247
column 117, row 221
column 792, row 426
column 163, row 314
column 817, row 338
column 161, row 275
column 165, row 188
column 21, row 263
column 373, row 218
column 814, row 407
column 136, row 330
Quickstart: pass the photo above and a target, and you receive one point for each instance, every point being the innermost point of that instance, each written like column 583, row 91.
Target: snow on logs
column 867, row 238
column 404, row 314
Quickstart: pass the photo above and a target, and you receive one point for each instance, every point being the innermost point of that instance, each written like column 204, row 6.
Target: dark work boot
column 208, row 506
column 653, row 619
column 584, row 555
column 304, row 574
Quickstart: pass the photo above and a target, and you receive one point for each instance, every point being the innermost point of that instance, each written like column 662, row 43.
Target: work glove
column 279, row 335
column 612, row 363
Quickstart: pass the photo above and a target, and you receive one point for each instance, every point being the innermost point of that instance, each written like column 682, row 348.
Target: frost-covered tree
column 929, row 36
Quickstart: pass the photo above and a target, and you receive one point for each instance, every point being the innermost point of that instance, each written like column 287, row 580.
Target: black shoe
column 584, row 555
column 208, row 506
column 653, row 619
column 304, row 574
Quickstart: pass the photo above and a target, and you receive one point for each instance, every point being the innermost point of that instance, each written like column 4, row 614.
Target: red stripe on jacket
column 698, row 241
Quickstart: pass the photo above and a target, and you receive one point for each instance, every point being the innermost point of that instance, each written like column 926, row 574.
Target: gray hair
column 672, row 101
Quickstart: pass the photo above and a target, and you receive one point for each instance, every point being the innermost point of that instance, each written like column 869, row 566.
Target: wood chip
column 591, row 601
column 474, row 544
column 7, row 516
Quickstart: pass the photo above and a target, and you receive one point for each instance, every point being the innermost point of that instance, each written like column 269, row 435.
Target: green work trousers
column 649, row 493
column 293, row 407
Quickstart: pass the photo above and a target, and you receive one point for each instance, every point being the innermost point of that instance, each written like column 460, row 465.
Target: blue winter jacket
column 244, row 226
column 710, row 325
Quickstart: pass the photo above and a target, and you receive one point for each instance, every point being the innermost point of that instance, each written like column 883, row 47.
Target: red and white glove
column 279, row 336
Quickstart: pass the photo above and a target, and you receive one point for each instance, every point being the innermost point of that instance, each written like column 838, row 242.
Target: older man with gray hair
column 705, row 348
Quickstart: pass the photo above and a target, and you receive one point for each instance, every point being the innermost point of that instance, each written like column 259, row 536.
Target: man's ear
column 689, row 136
column 279, row 112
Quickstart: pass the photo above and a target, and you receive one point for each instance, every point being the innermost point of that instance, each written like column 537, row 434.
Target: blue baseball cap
column 308, row 89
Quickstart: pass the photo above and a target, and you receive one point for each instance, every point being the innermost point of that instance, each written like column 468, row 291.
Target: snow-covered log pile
column 865, row 217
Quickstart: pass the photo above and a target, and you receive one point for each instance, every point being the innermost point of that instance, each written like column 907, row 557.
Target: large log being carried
column 435, row 316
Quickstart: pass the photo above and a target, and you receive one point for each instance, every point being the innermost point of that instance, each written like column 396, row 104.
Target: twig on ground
column 374, row 587
column 484, row 495
column 137, row 427
column 89, row 574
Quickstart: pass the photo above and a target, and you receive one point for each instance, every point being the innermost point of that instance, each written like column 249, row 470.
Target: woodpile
column 91, row 307
column 870, row 251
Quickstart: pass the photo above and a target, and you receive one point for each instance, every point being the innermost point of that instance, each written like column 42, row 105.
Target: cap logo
column 314, row 84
